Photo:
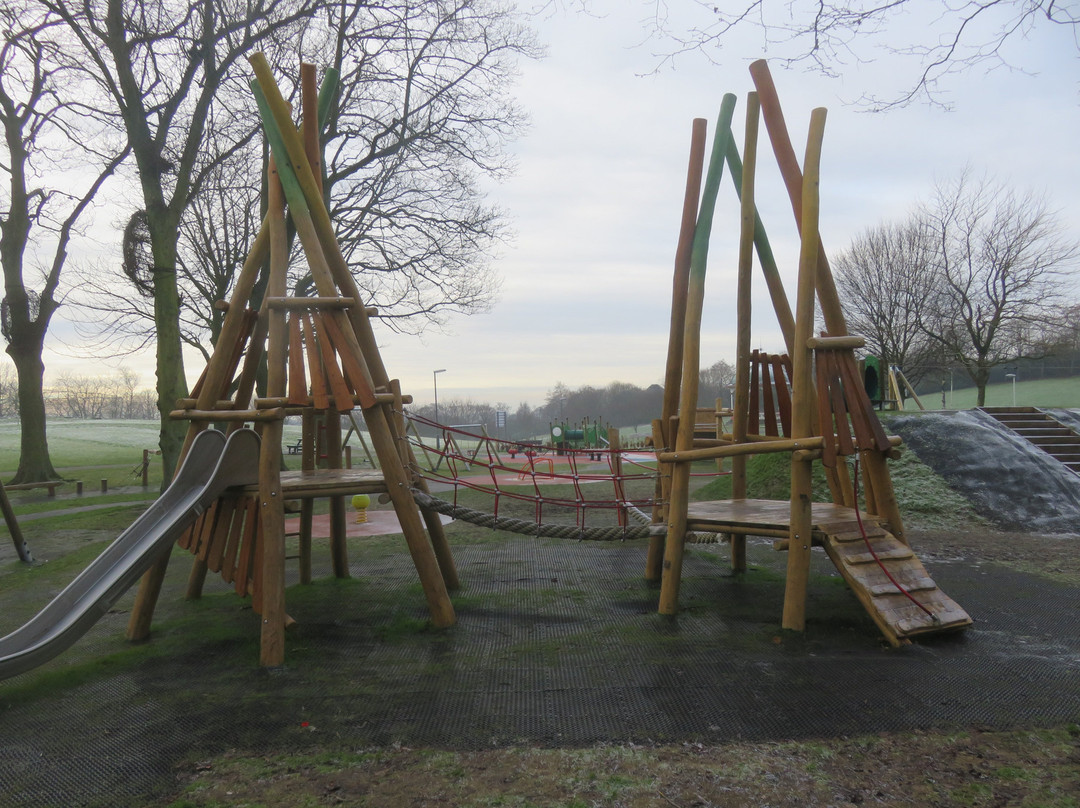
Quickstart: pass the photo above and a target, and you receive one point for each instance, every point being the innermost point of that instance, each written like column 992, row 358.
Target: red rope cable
column 457, row 462
column 880, row 563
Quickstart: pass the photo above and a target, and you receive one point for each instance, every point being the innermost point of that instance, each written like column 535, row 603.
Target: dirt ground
column 1035, row 768
column 973, row 767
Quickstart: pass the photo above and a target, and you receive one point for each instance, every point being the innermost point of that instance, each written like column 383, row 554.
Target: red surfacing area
column 378, row 523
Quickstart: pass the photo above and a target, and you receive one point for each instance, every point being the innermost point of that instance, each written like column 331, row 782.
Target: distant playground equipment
column 810, row 402
column 584, row 435
column 890, row 396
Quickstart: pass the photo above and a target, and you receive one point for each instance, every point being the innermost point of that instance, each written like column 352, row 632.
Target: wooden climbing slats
column 781, row 375
column 872, row 435
column 298, row 395
column 242, row 571
column 256, row 587
column 768, row 404
column 247, row 325
column 770, row 398
column 188, row 535
column 841, row 398
column 319, row 393
column 204, row 523
column 339, row 390
column 351, row 364
column 227, row 514
column 753, row 419
column 247, row 512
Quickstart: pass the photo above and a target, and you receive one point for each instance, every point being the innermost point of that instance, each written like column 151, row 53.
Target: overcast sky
column 596, row 199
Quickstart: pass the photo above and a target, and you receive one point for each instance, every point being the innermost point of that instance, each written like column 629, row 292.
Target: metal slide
column 212, row 465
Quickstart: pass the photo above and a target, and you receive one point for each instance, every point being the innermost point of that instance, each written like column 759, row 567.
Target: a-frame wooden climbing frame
column 322, row 360
column 824, row 417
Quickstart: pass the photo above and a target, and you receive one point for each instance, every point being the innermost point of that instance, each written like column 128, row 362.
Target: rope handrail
column 530, row 478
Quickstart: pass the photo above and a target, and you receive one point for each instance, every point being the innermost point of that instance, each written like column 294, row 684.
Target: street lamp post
column 435, row 380
column 1013, row 377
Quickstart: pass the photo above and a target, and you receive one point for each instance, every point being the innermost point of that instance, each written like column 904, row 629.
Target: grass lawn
column 1061, row 393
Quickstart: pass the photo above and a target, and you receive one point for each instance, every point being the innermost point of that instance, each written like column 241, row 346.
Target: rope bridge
column 479, row 469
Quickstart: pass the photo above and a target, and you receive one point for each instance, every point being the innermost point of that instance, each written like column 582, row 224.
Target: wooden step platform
column 329, row 483
column 836, row 528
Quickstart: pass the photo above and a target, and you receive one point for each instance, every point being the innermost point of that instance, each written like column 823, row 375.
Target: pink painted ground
column 377, row 524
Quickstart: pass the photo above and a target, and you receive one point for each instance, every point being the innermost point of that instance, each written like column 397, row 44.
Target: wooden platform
column 836, row 528
column 328, row 483
column 761, row 517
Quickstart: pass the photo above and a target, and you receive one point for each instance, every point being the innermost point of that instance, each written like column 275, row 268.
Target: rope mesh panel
column 537, row 470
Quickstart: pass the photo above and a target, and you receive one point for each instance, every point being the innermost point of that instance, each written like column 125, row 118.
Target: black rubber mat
column 557, row 644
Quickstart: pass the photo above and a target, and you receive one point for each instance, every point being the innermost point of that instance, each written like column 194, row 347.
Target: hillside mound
column 1008, row 480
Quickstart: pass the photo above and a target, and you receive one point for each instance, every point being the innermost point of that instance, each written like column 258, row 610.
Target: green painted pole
column 680, row 474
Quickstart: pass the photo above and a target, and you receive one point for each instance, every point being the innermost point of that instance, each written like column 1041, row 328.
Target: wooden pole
column 13, row 528
column 439, row 543
column 310, row 108
column 673, row 371
column 793, row 178
column 271, row 501
column 680, row 482
column 769, row 270
column 741, row 405
column 802, row 413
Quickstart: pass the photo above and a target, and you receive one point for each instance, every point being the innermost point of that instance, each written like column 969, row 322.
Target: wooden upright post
column 684, row 440
column 741, row 404
column 793, row 179
column 271, row 502
column 802, row 413
column 673, row 371
column 13, row 528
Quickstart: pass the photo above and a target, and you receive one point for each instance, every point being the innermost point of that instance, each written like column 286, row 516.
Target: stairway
column 1042, row 430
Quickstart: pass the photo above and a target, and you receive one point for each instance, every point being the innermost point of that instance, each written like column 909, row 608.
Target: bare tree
column 9, row 391
column 172, row 70
column 48, row 122
column 215, row 233
column 887, row 283
column 948, row 39
column 714, row 382
column 1002, row 270
column 424, row 111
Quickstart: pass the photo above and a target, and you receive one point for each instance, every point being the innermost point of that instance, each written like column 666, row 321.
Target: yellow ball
column 361, row 501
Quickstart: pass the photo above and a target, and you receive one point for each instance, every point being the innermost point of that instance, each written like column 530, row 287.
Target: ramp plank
column 836, row 528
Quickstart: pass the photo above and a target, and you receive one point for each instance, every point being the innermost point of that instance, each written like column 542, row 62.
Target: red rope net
column 520, row 471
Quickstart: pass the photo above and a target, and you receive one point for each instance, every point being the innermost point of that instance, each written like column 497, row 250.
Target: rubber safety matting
column 557, row 644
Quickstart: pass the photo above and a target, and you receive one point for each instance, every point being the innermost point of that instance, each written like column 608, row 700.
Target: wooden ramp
column 836, row 528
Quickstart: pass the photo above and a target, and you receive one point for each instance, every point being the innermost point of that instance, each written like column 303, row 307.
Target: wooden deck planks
column 328, row 482
column 837, row 529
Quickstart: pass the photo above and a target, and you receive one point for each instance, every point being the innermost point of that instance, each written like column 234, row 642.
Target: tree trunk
column 981, row 378
column 34, row 462
column 171, row 381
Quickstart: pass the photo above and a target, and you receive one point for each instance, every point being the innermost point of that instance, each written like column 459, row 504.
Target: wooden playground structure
column 322, row 360
column 825, row 417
